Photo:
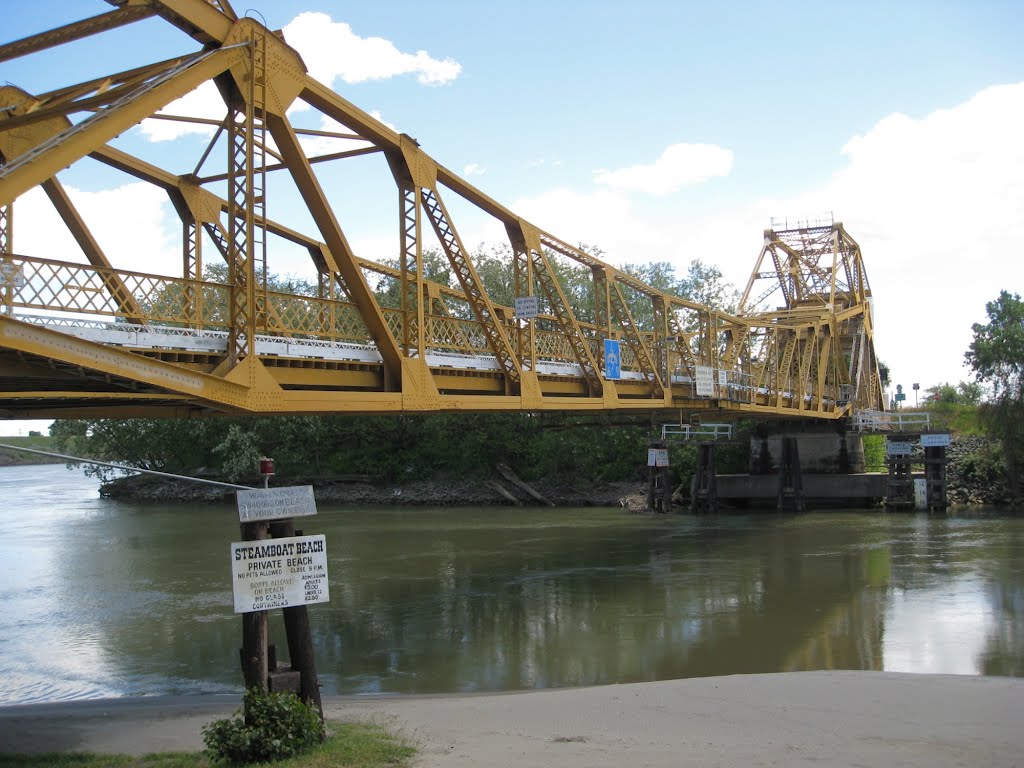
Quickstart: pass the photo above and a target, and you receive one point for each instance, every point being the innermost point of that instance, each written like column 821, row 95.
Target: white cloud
column 331, row 50
column 204, row 102
column 935, row 203
column 678, row 166
column 601, row 217
column 134, row 224
column 474, row 169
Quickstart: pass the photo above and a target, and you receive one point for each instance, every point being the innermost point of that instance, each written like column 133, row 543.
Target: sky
column 655, row 131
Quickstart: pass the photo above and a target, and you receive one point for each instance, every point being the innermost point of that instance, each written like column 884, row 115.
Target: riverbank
column 829, row 718
column 362, row 492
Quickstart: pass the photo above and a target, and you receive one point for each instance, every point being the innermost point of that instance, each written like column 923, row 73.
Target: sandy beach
column 826, row 718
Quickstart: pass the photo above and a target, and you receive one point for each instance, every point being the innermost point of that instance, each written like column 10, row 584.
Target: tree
column 964, row 393
column 997, row 357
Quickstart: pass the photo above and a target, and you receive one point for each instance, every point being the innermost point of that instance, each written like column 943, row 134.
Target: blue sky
column 904, row 119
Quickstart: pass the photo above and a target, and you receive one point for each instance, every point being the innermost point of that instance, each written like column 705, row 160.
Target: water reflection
column 101, row 598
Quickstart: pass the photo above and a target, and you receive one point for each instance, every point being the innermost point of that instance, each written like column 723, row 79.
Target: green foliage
column 883, row 374
column 399, row 447
column 874, row 453
column 996, row 355
column 350, row 744
column 275, row 726
column 90, row 760
column 983, row 467
column 365, row 745
column 964, row 393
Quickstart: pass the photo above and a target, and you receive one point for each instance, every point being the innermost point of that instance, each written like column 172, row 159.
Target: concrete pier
column 865, row 489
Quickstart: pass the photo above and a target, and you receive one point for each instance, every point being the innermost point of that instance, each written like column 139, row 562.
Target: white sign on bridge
column 275, row 503
column 705, row 381
column 279, row 573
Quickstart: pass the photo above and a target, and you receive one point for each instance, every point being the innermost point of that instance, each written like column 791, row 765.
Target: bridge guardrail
column 891, row 421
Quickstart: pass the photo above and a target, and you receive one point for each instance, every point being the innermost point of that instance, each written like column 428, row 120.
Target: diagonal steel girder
column 473, row 288
column 345, row 260
column 77, row 141
column 631, row 335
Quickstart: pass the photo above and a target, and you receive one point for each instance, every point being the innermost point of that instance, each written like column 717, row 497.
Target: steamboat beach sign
column 280, row 572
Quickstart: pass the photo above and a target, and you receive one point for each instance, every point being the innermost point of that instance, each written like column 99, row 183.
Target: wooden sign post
column 275, row 566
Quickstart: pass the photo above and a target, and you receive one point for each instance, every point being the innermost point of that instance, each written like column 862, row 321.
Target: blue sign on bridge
column 612, row 361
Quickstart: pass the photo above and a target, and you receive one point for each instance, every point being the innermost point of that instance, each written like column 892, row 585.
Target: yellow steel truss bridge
column 80, row 336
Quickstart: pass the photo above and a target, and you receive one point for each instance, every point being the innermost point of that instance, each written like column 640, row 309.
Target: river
column 103, row 598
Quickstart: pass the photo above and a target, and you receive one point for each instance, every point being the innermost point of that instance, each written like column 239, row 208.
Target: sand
column 822, row 718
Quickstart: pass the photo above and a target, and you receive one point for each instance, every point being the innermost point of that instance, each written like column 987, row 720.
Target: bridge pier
column 935, row 477
column 791, row 485
column 899, row 490
column 704, row 490
column 826, row 451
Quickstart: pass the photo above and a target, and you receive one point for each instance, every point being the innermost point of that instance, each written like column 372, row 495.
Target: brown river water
column 102, row 598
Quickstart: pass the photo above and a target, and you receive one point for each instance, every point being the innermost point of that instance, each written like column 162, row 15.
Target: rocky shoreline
column 432, row 493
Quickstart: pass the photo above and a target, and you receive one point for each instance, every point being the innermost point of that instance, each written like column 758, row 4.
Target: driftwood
column 504, row 492
column 510, row 476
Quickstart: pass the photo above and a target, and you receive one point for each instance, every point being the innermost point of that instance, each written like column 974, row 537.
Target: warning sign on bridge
column 279, row 573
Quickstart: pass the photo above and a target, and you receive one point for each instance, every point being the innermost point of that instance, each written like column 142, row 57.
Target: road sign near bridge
column 612, row 361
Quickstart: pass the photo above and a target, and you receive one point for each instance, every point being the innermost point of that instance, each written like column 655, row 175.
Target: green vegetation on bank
column 996, row 355
column 36, row 441
column 601, row 448
column 349, row 745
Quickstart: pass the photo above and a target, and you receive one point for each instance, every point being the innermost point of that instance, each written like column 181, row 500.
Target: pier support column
column 704, row 491
column 935, row 477
column 899, row 487
column 791, row 490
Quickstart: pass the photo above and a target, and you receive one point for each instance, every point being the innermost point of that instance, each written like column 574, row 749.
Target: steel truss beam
column 433, row 347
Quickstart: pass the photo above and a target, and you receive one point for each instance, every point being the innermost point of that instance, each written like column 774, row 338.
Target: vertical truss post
column 246, row 203
column 522, row 283
column 661, row 339
column 602, row 311
column 6, row 249
column 192, row 270
column 412, row 288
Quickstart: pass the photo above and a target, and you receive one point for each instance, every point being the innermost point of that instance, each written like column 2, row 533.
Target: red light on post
column 266, row 466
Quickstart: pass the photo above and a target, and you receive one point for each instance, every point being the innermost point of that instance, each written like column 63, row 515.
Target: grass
column 349, row 745
column 39, row 442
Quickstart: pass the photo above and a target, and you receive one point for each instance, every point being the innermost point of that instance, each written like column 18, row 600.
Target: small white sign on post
column 704, row 381
column 12, row 274
column 657, row 457
column 920, row 493
column 935, row 441
column 898, row 448
column 526, row 307
column 275, row 503
column 279, row 573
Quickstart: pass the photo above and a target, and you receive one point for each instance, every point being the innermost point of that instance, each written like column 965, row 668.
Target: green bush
column 275, row 726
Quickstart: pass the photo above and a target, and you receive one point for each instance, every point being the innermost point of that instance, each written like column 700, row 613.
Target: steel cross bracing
column 82, row 335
